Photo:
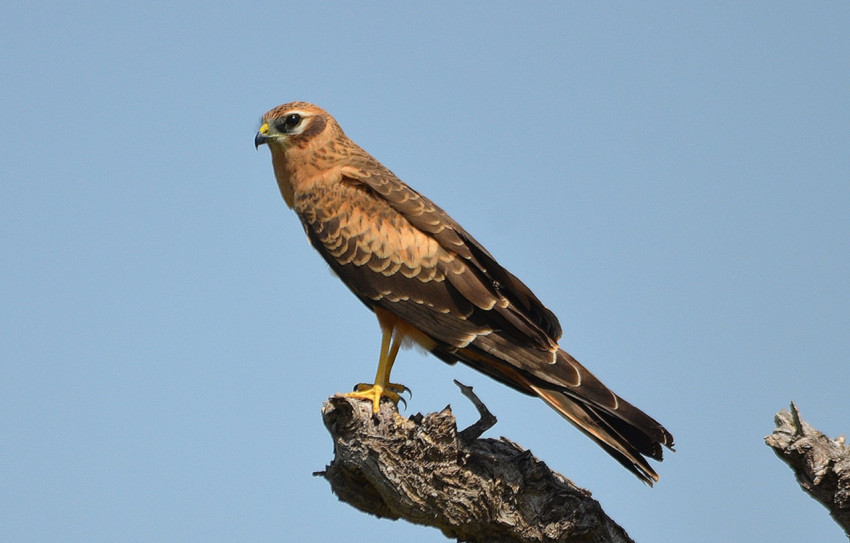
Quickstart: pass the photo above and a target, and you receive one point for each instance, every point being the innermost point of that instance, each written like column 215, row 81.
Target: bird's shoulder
column 383, row 186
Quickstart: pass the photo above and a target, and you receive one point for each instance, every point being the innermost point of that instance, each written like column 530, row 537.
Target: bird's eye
column 291, row 121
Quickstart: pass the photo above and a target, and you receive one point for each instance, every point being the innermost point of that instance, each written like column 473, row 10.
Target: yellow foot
column 374, row 393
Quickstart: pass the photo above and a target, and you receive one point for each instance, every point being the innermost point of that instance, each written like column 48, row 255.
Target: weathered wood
column 474, row 490
column 821, row 464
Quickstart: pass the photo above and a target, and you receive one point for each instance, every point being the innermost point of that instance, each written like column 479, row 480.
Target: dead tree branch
column 821, row 464
column 474, row 490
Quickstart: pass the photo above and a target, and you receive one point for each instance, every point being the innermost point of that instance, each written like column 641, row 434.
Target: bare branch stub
column 487, row 420
column 821, row 464
column 473, row 490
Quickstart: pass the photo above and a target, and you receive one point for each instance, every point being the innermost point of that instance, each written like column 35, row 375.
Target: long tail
column 624, row 431
column 621, row 429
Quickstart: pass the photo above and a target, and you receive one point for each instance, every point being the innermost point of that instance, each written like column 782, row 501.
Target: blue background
column 672, row 179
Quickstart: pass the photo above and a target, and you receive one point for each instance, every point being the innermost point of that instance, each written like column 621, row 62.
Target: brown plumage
column 431, row 282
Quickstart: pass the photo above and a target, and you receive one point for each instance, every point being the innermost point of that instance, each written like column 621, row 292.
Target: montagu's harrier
column 429, row 281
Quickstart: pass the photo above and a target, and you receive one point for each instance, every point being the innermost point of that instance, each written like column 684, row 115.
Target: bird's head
column 306, row 144
column 296, row 124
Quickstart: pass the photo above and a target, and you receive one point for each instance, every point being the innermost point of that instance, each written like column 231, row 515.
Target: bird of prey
column 430, row 282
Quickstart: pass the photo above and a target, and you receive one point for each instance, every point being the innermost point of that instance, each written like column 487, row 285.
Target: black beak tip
column 259, row 139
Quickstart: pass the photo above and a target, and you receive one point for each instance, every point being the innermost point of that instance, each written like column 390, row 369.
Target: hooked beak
column 262, row 136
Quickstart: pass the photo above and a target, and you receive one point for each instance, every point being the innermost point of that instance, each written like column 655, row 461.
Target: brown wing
column 398, row 251
column 389, row 263
column 426, row 216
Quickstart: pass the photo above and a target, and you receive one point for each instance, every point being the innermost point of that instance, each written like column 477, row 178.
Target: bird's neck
column 297, row 171
column 283, row 172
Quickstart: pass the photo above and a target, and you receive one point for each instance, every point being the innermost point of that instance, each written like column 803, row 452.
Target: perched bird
column 430, row 282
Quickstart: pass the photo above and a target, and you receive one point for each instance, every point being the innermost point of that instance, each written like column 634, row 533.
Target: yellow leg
column 382, row 386
column 390, row 359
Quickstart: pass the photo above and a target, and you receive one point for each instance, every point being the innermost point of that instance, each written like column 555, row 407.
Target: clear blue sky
column 673, row 180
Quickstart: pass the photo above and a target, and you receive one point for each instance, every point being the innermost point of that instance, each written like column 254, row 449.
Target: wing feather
column 428, row 217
